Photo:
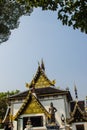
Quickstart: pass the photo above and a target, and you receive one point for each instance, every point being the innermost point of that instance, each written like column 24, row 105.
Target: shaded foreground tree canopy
column 10, row 12
column 70, row 12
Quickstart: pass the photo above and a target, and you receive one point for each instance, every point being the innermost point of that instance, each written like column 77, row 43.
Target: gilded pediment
column 31, row 105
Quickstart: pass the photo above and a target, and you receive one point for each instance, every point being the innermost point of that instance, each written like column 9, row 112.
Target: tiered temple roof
column 42, row 86
column 40, row 79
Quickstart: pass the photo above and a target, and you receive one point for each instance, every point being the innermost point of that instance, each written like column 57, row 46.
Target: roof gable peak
column 40, row 80
column 77, row 108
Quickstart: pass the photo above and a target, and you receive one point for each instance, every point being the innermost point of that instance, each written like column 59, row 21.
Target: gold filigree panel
column 33, row 108
column 42, row 82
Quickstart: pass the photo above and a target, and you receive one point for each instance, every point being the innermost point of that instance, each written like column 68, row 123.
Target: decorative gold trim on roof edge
column 77, row 107
column 23, row 105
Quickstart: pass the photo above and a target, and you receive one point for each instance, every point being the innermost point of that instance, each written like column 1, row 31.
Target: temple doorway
column 36, row 121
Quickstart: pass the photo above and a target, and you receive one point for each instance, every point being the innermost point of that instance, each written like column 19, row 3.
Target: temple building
column 45, row 107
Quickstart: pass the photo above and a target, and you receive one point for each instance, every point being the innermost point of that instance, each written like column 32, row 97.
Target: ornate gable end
column 40, row 80
column 34, row 107
column 77, row 115
column 31, row 105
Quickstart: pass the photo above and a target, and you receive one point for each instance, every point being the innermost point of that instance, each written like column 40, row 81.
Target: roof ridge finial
column 38, row 64
column 42, row 65
column 75, row 89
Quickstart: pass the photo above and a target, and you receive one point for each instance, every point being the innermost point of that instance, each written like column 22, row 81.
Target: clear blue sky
column 41, row 35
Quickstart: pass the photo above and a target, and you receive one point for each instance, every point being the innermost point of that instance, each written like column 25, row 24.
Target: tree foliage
column 4, row 101
column 10, row 12
column 70, row 12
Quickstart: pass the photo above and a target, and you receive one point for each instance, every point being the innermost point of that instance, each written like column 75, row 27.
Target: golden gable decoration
column 40, row 80
column 31, row 105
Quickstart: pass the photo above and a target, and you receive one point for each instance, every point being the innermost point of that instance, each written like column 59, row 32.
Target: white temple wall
column 67, row 107
column 60, row 104
column 15, row 107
